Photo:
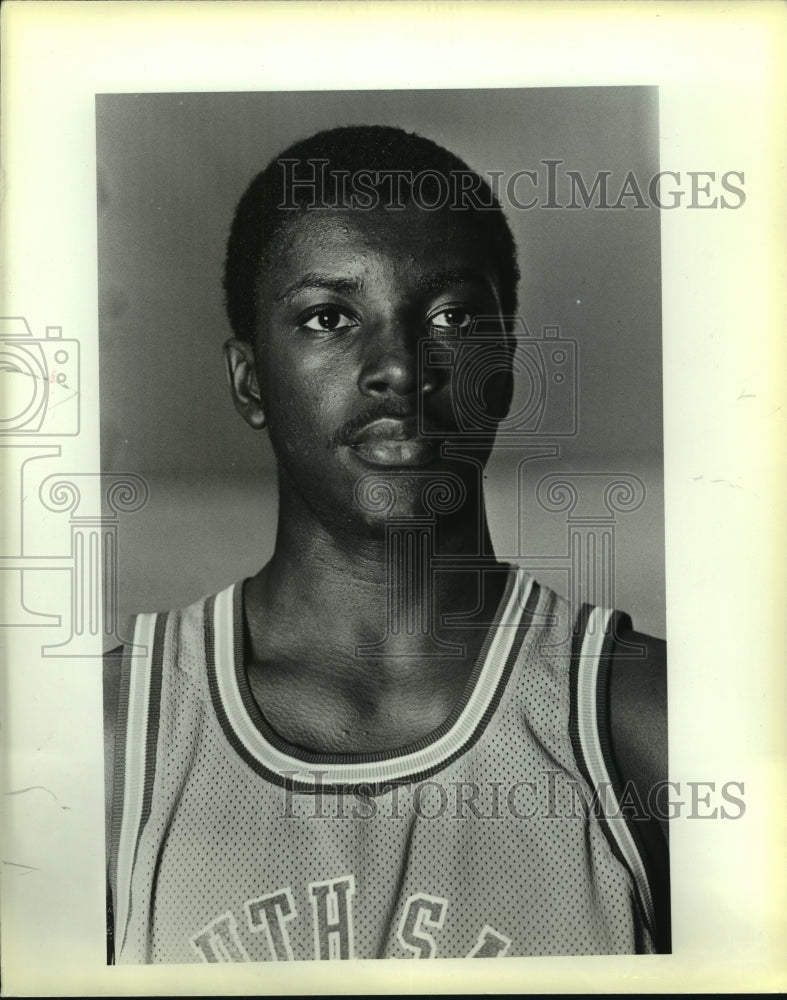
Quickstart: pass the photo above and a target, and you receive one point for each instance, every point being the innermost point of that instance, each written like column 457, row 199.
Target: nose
column 391, row 364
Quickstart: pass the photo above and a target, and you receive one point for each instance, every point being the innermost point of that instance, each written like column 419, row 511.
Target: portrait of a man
column 389, row 735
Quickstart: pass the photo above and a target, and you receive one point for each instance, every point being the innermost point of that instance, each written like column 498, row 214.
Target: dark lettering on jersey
column 333, row 930
column 490, row 944
column 421, row 914
column 271, row 914
column 219, row 941
column 332, row 911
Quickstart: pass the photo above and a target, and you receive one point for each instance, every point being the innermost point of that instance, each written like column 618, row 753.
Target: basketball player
column 386, row 743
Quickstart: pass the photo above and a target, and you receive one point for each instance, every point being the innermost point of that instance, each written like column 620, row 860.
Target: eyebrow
column 437, row 281
column 312, row 279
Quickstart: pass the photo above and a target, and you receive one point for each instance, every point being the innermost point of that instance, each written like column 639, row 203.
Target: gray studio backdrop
column 171, row 168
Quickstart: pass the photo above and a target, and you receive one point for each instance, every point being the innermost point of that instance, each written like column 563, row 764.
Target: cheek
column 312, row 379
column 307, row 381
column 305, row 403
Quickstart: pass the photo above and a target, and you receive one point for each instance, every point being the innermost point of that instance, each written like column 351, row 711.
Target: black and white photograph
column 374, row 565
column 387, row 736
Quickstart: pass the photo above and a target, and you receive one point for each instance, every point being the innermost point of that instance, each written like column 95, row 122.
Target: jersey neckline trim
column 278, row 761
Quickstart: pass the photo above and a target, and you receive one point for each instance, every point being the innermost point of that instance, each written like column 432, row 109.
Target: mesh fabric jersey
column 479, row 840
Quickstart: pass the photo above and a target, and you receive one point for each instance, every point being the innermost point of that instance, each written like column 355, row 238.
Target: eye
column 327, row 319
column 454, row 318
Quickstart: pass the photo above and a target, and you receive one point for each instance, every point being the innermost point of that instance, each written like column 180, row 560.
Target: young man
column 386, row 743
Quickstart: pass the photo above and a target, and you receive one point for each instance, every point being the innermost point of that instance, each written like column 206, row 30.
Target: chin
column 420, row 495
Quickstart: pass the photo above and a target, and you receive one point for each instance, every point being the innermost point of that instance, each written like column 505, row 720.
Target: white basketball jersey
column 480, row 840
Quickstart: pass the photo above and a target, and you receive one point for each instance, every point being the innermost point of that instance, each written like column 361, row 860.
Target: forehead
column 409, row 241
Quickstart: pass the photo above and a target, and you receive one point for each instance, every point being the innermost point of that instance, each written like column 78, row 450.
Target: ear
column 242, row 378
column 507, row 376
column 510, row 382
column 508, row 394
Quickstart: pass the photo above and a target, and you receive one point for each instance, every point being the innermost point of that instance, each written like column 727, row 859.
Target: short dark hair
column 349, row 150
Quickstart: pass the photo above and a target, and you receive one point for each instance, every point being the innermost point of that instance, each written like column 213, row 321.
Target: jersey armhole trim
column 135, row 760
column 120, row 720
column 592, row 645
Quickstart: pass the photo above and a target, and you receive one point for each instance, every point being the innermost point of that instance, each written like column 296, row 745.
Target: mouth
column 392, row 442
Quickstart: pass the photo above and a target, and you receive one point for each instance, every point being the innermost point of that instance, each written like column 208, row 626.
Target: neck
column 345, row 583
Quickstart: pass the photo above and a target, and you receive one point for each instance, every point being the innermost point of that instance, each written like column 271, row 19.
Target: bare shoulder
column 638, row 709
column 638, row 736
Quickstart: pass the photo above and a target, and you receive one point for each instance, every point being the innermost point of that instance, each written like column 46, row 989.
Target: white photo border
column 721, row 91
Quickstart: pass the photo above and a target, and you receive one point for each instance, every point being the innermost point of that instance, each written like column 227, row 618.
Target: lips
column 391, row 441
